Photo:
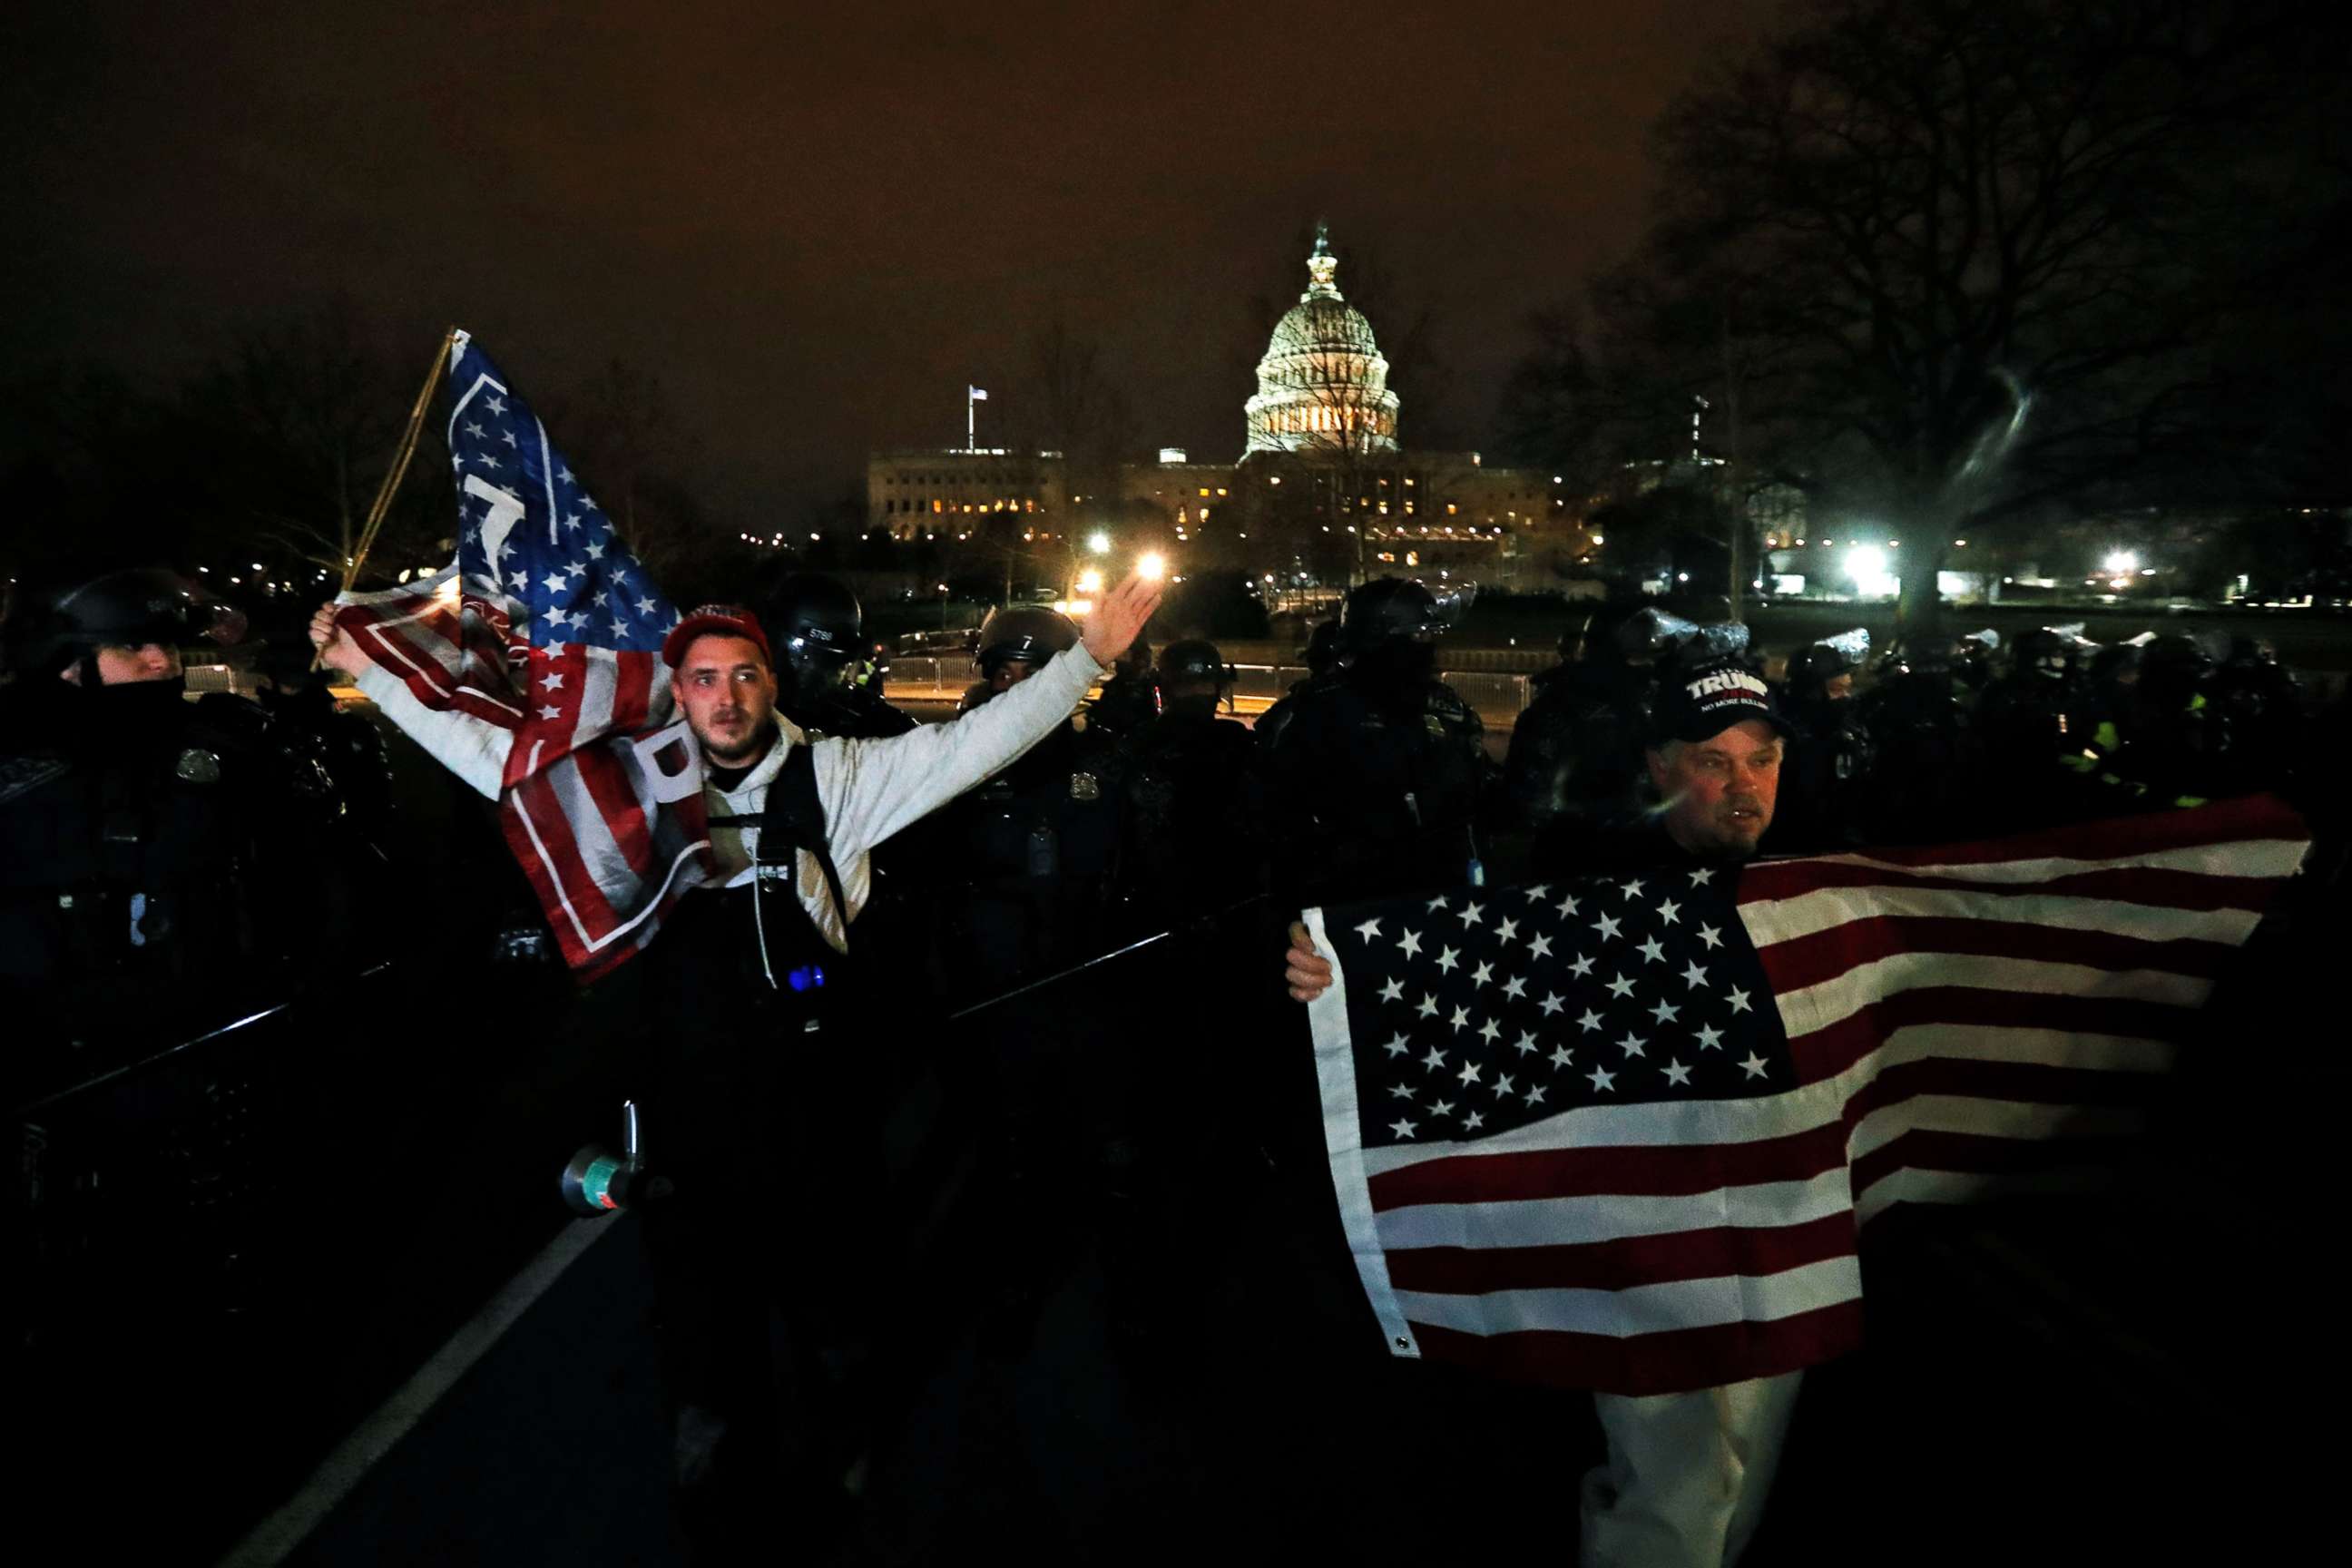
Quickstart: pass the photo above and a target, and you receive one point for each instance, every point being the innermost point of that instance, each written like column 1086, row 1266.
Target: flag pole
column 390, row 486
column 382, row 505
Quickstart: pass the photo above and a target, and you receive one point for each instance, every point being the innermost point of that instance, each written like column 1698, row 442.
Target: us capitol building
column 1322, row 490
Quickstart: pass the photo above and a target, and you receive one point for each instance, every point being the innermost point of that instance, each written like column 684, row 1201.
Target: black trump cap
column 1698, row 702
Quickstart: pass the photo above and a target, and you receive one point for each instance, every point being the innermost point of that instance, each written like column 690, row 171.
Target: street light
column 1089, row 581
column 1151, row 567
column 1866, row 565
column 2122, row 562
column 1099, row 542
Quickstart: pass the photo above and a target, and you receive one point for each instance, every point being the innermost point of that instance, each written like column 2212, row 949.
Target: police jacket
column 868, row 790
column 1363, row 791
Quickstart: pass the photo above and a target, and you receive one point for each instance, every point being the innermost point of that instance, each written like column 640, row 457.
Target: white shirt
column 869, row 789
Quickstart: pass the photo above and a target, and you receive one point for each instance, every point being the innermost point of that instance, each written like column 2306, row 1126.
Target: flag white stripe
column 1813, row 1008
column 2244, row 857
column 1335, row 1070
column 1784, row 919
column 2023, row 1120
column 596, row 691
column 1644, row 1308
column 1587, row 1218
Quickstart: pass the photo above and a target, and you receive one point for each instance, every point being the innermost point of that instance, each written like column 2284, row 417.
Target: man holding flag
column 543, row 668
column 1619, row 1132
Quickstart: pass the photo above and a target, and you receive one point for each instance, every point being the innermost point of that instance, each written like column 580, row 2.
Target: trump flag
column 547, row 633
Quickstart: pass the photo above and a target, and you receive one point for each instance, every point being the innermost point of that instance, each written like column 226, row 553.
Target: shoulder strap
column 793, row 817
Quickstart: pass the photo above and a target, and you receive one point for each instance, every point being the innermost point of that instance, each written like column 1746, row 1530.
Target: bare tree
column 629, row 445
column 1949, row 259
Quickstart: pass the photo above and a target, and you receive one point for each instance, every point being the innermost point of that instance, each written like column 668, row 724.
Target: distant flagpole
column 972, row 397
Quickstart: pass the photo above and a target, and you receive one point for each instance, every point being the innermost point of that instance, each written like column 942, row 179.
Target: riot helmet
column 1022, row 634
column 817, row 631
column 126, row 609
column 1814, row 669
column 2044, row 653
column 2173, row 671
column 1322, row 649
column 1387, row 610
column 1194, row 662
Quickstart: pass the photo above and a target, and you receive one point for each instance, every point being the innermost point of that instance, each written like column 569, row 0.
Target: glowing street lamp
column 1099, row 542
column 2121, row 563
column 1151, row 568
column 1090, row 581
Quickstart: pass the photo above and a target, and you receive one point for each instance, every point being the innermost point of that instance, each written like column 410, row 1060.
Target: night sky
column 816, row 229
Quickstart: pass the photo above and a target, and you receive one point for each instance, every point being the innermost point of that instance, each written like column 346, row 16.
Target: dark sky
column 816, row 227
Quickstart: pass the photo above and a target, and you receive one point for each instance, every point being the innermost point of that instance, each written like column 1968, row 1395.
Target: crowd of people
column 171, row 860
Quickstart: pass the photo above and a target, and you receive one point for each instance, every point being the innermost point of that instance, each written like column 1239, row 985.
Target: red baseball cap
column 724, row 620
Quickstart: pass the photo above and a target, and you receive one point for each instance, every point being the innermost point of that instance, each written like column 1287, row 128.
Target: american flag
column 548, row 629
column 1621, row 1133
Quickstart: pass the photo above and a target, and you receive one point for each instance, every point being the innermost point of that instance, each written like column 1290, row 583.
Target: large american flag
column 547, row 629
column 1621, row 1133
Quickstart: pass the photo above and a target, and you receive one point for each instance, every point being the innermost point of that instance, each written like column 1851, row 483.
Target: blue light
column 809, row 977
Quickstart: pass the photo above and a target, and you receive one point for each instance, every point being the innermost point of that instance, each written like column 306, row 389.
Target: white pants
column 1688, row 1474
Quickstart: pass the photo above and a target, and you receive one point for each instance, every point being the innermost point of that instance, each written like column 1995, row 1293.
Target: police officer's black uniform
column 166, row 867
column 1828, row 759
column 1373, row 778
column 1188, row 849
column 1577, row 749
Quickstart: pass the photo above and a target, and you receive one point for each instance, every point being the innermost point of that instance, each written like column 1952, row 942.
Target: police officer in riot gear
column 166, row 858
column 167, row 867
column 1188, row 849
column 1828, row 759
column 1576, row 750
column 1923, row 785
column 2177, row 746
column 1373, row 778
column 1030, row 851
column 823, row 661
column 2262, row 703
column 2034, row 723
column 1131, row 698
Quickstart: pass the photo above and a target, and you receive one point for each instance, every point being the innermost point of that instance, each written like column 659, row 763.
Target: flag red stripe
column 2162, row 886
column 1666, row 1363
column 1979, row 1153
column 2118, row 838
column 1820, row 955
column 1672, row 1169
column 1626, row 1261
column 633, row 678
column 1826, row 1052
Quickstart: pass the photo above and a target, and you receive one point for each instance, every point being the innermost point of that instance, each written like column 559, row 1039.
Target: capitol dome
column 1322, row 386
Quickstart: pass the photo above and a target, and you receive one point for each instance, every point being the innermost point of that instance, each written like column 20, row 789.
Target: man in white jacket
column 766, row 1264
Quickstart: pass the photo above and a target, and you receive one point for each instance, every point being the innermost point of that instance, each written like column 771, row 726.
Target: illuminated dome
column 1322, row 386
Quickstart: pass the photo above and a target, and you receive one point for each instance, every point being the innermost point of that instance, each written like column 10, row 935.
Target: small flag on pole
column 976, row 393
